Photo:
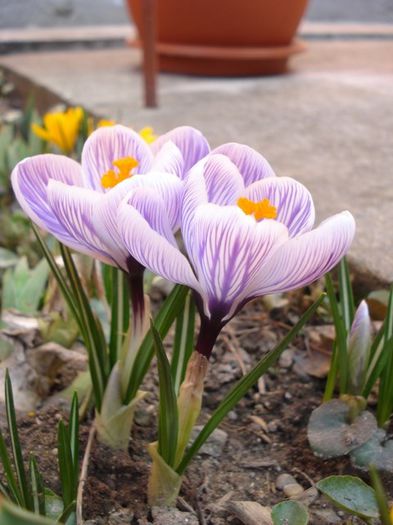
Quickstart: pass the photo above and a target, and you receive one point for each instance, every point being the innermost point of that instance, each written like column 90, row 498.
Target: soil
column 266, row 435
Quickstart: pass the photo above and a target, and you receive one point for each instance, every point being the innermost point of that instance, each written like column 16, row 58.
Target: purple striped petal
column 169, row 160
column 227, row 249
column 190, row 141
column 167, row 187
column 251, row 164
column 108, row 144
column 73, row 208
column 295, row 207
column 30, row 179
column 224, row 184
column 304, row 259
column 152, row 250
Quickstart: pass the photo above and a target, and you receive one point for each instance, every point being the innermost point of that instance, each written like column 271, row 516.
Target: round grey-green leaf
column 289, row 513
column 350, row 494
column 331, row 435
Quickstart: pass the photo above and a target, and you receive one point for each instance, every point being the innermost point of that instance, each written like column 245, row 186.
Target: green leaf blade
column 168, row 426
column 350, row 494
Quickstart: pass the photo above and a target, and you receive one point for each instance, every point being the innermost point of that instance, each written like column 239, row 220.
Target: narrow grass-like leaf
column 184, row 341
column 385, row 394
column 381, row 497
column 347, row 302
column 65, row 464
column 120, row 314
column 332, row 375
column 243, row 386
column 341, row 336
column 4, row 491
column 9, row 473
column 73, row 432
column 15, row 444
column 90, row 328
column 168, row 419
column 61, row 280
column 170, row 309
column 379, row 354
column 37, row 488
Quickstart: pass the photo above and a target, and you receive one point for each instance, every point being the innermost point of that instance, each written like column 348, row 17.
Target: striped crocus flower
column 77, row 203
column 246, row 233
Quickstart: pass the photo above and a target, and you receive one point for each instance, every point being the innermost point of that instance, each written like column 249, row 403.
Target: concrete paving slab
column 329, row 123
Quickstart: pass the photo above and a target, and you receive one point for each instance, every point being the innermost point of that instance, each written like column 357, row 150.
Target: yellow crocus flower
column 61, row 128
column 148, row 134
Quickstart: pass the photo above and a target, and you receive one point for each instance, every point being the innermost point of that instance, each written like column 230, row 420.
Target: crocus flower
column 246, row 233
column 61, row 128
column 359, row 344
column 77, row 203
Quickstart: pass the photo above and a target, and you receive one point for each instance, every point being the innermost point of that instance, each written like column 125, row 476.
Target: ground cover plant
column 222, row 230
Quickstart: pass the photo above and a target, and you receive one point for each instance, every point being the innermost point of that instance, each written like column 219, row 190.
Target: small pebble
column 232, row 415
column 286, row 358
column 293, row 490
column 287, row 396
column 309, row 496
column 283, row 480
column 273, row 426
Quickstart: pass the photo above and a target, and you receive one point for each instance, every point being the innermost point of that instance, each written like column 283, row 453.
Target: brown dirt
column 266, row 434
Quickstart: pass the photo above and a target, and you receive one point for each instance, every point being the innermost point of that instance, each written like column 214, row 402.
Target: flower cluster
column 245, row 232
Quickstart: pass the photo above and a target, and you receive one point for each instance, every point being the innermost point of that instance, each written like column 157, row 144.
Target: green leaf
column 341, row 362
column 74, row 440
column 184, row 341
column 168, row 424
column 170, row 309
column 37, row 488
column 91, row 330
column 7, row 258
column 380, row 494
column 65, row 464
column 289, row 513
column 15, row 444
column 350, row 494
column 334, row 431
column 385, row 394
column 347, row 302
column 61, row 280
column 242, row 387
column 9, row 473
column 23, row 288
column 10, row 514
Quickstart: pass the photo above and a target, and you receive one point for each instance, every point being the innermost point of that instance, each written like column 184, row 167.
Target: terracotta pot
column 224, row 37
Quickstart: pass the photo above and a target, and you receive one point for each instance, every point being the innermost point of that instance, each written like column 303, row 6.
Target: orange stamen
column 124, row 166
column 261, row 210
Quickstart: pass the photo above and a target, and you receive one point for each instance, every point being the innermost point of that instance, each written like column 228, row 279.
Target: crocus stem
column 135, row 282
column 190, row 400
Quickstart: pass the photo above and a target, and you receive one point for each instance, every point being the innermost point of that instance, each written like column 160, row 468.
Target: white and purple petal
column 227, row 249
column 110, row 143
column 304, row 259
column 190, row 141
column 152, row 250
column 224, row 183
column 295, row 207
column 251, row 164
column 169, row 160
column 73, row 208
column 167, row 187
column 30, row 180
